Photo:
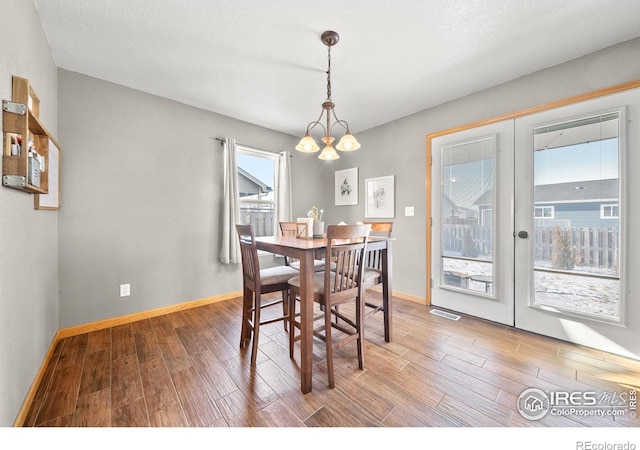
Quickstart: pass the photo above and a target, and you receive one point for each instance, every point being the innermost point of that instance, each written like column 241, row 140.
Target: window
column 256, row 189
column 543, row 212
column 609, row 211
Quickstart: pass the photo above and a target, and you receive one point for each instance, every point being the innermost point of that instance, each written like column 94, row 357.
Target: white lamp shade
column 328, row 153
column 348, row 143
column 307, row 144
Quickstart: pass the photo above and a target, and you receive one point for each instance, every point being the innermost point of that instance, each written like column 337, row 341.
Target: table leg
column 306, row 321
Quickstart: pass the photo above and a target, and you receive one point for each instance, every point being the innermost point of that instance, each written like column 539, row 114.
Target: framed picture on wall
column 346, row 191
column 380, row 200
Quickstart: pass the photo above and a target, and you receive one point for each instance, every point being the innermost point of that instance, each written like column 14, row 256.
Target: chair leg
column 360, row 330
column 292, row 320
column 285, row 308
column 256, row 327
column 329, row 345
column 245, row 331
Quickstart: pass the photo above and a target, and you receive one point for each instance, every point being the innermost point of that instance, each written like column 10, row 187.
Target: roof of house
column 577, row 191
column 572, row 192
column 261, row 187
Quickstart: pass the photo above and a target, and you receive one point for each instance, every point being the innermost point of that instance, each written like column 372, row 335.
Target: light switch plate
column 408, row 211
column 125, row 290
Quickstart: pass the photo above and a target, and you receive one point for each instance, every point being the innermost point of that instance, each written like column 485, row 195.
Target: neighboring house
column 580, row 204
column 454, row 214
column 256, row 203
column 485, row 207
column 248, row 185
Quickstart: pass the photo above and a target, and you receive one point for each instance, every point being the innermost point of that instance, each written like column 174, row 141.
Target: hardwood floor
column 185, row 369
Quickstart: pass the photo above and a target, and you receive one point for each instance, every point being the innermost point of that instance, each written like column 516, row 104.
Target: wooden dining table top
column 306, row 244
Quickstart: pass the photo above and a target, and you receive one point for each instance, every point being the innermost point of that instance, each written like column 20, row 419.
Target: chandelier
column 347, row 143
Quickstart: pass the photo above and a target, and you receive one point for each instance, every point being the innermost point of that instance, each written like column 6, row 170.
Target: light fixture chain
column 329, row 73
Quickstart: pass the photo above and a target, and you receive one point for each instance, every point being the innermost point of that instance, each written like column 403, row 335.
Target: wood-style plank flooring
column 185, row 369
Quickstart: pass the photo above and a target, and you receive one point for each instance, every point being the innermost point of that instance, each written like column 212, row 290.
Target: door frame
column 514, row 115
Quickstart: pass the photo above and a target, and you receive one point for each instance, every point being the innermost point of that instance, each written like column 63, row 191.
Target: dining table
column 306, row 250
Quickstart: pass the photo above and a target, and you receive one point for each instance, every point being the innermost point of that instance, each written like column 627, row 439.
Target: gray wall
column 399, row 148
column 141, row 194
column 28, row 238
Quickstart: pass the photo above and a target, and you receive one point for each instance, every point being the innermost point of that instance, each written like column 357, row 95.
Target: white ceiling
column 262, row 61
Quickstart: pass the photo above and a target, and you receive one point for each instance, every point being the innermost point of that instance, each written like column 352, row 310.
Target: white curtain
column 230, row 251
column 284, row 205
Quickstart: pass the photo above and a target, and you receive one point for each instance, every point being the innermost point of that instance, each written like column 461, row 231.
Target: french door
column 576, row 265
column 472, row 227
column 532, row 222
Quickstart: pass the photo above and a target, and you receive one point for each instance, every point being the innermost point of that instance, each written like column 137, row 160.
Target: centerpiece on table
column 318, row 225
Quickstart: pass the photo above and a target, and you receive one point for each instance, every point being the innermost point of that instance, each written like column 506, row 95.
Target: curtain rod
column 221, row 140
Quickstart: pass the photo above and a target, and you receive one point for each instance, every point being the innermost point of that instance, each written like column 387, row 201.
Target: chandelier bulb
column 307, row 144
column 348, row 143
column 329, row 153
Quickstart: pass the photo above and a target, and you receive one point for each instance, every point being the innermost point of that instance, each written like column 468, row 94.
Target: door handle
column 523, row 234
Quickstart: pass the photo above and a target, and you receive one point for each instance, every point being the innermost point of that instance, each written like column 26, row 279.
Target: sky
column 590, row 161
column 261, row 168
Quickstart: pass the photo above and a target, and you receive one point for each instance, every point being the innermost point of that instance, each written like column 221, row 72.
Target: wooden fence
column 590, row 247
column 470, row 241
column 260, row 217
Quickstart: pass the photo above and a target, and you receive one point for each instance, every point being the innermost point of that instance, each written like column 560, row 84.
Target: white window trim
column 542, row 208
column 609, row 205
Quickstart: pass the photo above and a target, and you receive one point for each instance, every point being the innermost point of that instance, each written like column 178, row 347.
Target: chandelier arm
column 317, row 122
column 343, row 123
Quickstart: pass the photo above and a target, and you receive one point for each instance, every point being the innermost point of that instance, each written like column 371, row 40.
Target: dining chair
column 346, row 247
column 290, row 229
column 256, row 282
column 372, row 275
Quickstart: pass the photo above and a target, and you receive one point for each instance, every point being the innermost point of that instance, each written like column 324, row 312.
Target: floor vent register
column 444, row 314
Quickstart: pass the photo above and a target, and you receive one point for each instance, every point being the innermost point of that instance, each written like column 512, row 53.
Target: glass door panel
column 467, row 206
column 577, row 215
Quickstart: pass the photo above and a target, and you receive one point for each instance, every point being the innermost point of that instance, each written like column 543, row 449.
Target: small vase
column 318, row 229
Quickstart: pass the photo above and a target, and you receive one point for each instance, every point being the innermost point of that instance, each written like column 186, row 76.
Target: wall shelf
column 26, row 143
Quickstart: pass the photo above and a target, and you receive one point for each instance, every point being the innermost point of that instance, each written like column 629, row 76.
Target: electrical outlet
column 125, row 290
column 408, row 210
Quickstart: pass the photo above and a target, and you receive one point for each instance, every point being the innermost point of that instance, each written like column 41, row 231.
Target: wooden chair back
column 289, row 229
column 346, row 248
column 249, row 255
column 374, row 257
column 380, row 228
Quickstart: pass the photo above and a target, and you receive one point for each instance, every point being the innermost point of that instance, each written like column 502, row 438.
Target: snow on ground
column 568, row 291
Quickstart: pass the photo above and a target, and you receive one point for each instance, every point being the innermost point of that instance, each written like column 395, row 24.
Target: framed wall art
column 51, row 200
column 346, row 190
column 380, row 200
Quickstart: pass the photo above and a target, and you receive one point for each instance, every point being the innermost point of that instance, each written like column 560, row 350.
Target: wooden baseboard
column 115, row 321
column 402, row 295
column 100, row 325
